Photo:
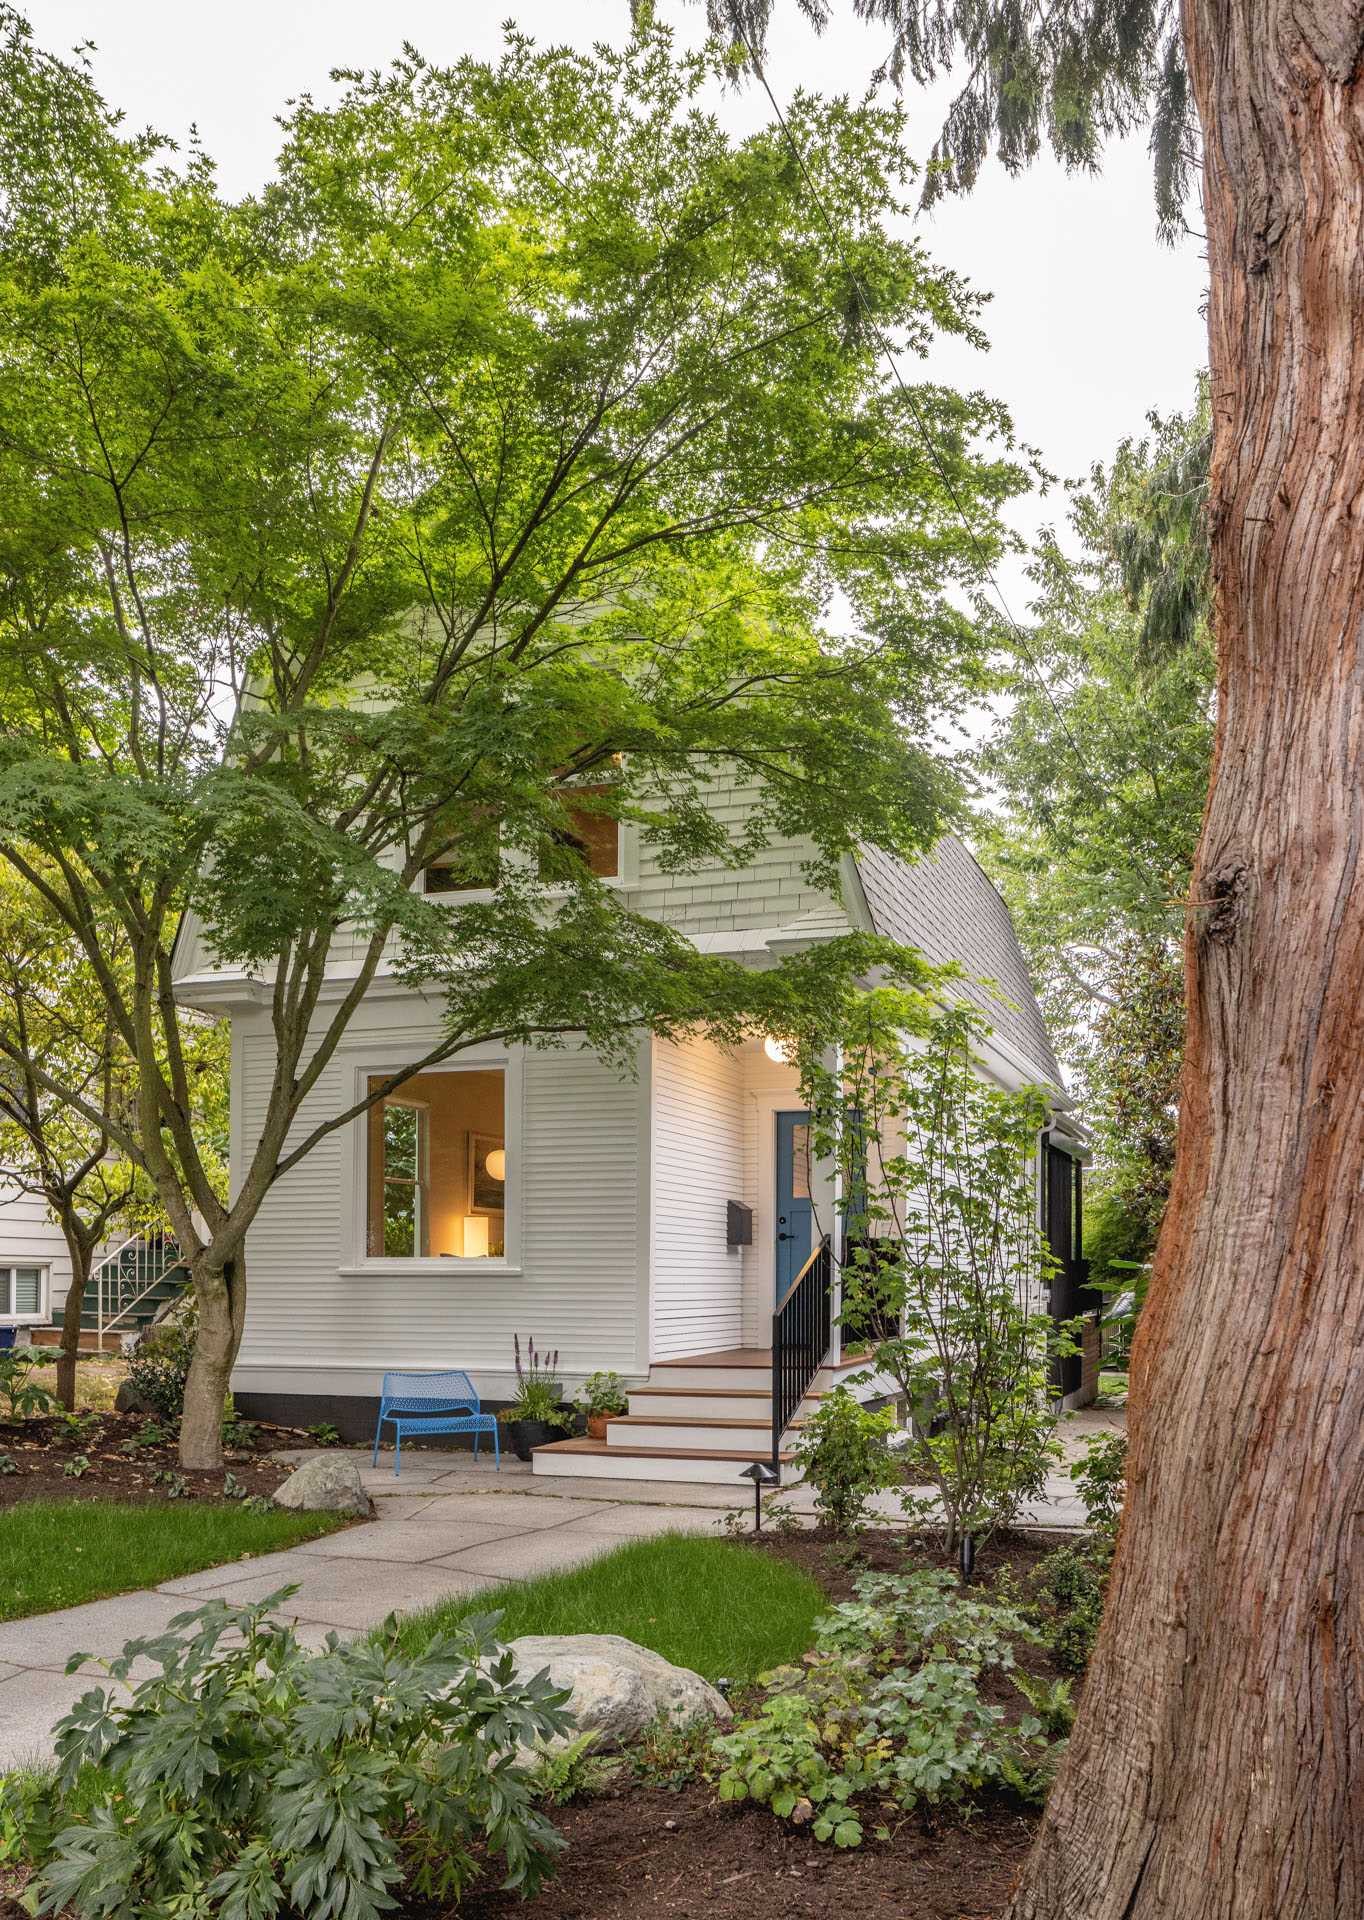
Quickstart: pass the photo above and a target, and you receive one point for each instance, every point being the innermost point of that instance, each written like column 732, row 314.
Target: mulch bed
column 646, row 1851
column 42, row 1449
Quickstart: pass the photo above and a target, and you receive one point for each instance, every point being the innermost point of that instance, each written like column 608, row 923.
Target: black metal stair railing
column 802, row 1332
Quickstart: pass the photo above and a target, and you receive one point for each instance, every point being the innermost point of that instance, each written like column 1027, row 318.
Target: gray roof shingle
column 947, row 906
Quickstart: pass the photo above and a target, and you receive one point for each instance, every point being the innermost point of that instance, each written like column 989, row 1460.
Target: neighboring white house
column 645, row 1225
column 35, row 1268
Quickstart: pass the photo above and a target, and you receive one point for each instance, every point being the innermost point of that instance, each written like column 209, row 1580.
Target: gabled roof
column 946, row 905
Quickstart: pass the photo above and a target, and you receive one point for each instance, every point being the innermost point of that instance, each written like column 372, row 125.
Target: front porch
column 702, row 1418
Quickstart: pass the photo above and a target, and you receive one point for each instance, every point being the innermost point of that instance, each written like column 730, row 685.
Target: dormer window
column 593, row 836
column 457, row 872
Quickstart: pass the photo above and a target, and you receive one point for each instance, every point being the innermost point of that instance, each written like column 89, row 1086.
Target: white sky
column 1092, row 320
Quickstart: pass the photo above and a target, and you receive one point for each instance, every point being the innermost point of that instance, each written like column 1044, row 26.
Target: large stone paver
column 350, row 1593
column 527, row 1554
column 407, row 1542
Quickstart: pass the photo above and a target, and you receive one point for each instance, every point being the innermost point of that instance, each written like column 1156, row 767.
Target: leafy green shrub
column 1101, row 1478
column 671, row 1754
column 899, row 1619
column 159, row 1366
column 946, row 1261
column 1051, row 1700
column 249, row 1778
column 21, row 1394
column 889, row 1710
column 842, row 1452
column 1070, row 1593
column 601, row 1393
column 325, row 1434
column 539, row 1390
column 778, row 1759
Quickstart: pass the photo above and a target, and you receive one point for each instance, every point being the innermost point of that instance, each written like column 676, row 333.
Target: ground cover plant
column 54, row 1553
column 248, row 1777
column 710, row 1605
column 888, row 1715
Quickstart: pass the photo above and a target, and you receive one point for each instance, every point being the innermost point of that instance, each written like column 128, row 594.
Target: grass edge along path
column 62, row 1553
column 717, row 1607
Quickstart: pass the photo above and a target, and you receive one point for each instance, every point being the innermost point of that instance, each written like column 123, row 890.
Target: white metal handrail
column 128, row 1290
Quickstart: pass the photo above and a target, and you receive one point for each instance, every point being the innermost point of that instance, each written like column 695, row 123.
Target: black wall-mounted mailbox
column 738, row 1224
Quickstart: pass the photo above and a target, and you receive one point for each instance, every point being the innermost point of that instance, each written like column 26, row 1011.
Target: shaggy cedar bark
column 1217, row 1767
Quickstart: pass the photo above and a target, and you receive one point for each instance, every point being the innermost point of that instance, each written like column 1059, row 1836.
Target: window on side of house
column 462, row 873
column 436, row 1167
column 21, row 1293
column 594, row 837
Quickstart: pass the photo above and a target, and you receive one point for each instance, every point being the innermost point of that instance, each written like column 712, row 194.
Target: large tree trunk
column 1217, row 1766
column 219, row 1293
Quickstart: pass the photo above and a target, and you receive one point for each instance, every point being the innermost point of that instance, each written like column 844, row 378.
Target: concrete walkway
column 446, row 1526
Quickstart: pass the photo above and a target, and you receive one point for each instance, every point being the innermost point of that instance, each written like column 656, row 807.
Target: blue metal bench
column 432, row 1403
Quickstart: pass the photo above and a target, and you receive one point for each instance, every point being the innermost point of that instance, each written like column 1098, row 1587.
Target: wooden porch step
column 709, row 1393
column 582, row 1445
column 686, row 1420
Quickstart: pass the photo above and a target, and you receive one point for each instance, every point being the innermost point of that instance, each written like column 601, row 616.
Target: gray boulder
column 324, row 1484
column 129, row 1400
column 618, row 1688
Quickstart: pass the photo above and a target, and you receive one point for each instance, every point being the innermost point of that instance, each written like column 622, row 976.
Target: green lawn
column 719, row 1608
column 57, row 1553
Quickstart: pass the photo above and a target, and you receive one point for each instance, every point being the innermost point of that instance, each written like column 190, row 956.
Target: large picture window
column 21, row 1293
column 437, row 1167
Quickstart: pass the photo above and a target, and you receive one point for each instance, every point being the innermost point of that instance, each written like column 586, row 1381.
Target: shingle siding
column 947, row 906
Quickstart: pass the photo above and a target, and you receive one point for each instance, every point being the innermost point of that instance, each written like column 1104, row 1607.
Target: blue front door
column 793, row 1210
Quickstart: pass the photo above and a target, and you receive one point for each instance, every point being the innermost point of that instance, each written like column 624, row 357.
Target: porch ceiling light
column 496, row 1164
column 777, row 1050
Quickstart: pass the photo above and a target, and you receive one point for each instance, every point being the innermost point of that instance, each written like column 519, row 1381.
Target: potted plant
column 599, row 1397
column 536, row 1416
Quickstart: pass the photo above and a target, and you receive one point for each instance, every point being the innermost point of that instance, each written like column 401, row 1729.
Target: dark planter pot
column 527, row 1434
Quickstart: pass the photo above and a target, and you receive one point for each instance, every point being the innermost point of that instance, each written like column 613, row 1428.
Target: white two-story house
column 649, row 1225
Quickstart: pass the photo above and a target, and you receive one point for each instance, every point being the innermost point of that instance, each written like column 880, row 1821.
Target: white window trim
column 363, row 1265
column 41, row 1317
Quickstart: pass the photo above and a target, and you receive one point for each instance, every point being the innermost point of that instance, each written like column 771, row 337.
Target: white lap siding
column 319, row 1322
column 698, row 1165
column 30, row 1237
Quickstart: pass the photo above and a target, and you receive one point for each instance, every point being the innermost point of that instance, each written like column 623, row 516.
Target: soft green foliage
column 55, row 1553
column 248, row 1778
column 22, row 1395
column 539, row 1390
column 1075, row 75
column 518, row 449
column 946, row 1266
column 602, row 1393
column 718, row 1608
column 1051, row 1700
column 160, row 1363
column 1101, row 1478
column 671, row 1754
column 842, row 1454
column 567, row 1773
column 889, row 1711
column 1101, row 773
column 1070, row 1594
